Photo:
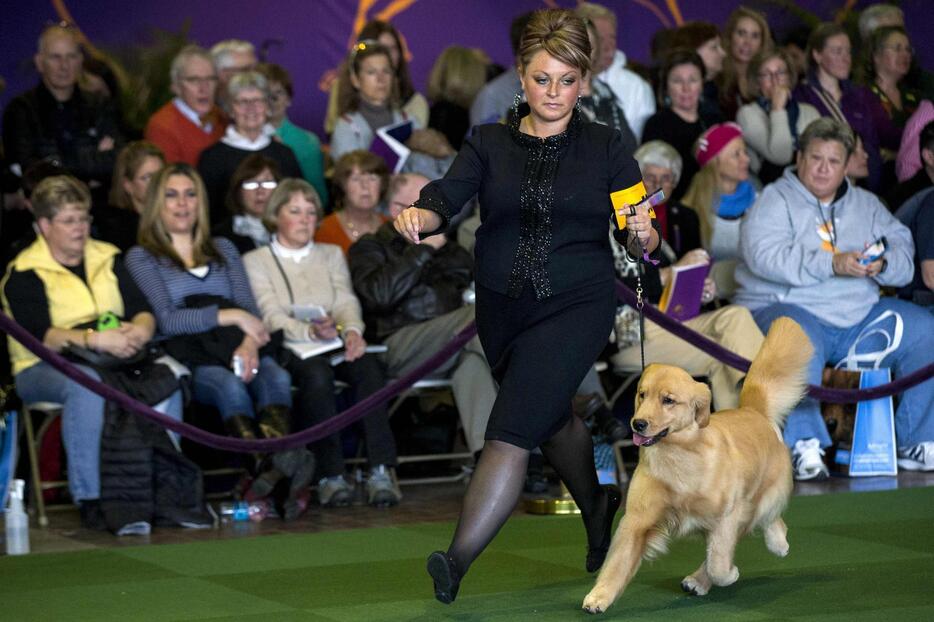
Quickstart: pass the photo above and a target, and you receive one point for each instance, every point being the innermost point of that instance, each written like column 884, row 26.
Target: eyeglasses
column 200, row 80
column 254, row 102
column 71, row 221
column 781, row 74
column 660, row 180
column 364, row 178
column 255, row 185
column 898, row 49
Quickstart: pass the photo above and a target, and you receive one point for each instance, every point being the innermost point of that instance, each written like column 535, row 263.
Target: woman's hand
column 430, row 141
column 354, row 346
column 710, row 290
column 251, row 325
column 413, row 220
column 114, row 342
column 322, row 328
column 693, row 257
column 780, row 95
column 639, row 224
column 137, row 335
column 249, row 357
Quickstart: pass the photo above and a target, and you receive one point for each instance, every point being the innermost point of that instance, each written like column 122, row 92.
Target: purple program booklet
column 389, row 144
column 681, row 298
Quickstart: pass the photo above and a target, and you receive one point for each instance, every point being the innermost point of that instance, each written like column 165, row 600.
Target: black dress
column 544, row 268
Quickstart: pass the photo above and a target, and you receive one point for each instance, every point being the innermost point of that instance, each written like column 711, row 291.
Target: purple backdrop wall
column 313, row 35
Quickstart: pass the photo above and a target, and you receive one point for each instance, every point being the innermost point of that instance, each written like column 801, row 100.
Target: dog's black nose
column 639, row 425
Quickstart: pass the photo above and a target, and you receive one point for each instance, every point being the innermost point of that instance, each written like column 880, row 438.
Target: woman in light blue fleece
column 802, row 249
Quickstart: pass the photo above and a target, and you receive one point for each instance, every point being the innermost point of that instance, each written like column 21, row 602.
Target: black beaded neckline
column 553, row 143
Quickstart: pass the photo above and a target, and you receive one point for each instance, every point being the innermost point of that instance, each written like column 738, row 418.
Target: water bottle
column 242, row 511
column 17, row 522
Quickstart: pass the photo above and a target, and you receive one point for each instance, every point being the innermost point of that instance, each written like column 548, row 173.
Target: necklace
column 355, row 231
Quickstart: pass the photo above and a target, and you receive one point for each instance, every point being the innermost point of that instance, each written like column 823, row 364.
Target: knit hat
column 714, row 140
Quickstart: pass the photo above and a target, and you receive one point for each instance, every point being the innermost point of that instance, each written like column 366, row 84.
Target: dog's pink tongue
column 639, row 440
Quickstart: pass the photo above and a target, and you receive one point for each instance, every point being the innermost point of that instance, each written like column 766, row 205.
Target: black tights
column 497, row 483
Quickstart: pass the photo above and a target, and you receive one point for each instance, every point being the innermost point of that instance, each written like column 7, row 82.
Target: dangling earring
column 516, row 102
column 578, row 105
column 667, row 101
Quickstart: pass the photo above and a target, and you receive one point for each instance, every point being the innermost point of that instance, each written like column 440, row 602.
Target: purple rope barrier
column 824, row 394
column 227, row 443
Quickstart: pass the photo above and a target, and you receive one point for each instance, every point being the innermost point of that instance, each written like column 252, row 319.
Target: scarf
column 732, row 206
column 791, row 107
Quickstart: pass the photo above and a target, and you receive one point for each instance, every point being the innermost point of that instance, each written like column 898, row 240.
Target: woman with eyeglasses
column 250, row 188
column 828, row 88
column 305, row 144
column 247, row 102
column 889, row 61
column 680, row 120
column 771, row 124
column 360, row 179
column 59, row 289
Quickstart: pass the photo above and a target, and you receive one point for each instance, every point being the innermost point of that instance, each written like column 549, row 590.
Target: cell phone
column 874, row 251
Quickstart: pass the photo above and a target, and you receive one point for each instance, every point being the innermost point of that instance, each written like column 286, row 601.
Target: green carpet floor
column 854, row 556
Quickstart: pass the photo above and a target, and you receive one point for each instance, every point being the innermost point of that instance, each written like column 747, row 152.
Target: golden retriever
column 725, row 474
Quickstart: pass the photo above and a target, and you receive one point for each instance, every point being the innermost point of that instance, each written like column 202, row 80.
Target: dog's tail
column 777, row 379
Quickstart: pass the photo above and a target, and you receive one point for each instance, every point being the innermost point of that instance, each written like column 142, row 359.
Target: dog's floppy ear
column 700, row 401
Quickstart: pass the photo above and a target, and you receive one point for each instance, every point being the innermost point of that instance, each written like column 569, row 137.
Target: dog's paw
column 778, row 548
column 597, row 601
column 729, row 578
column 693, row 585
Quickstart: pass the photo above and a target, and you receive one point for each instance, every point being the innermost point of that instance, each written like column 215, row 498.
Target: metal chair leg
column 34, row 468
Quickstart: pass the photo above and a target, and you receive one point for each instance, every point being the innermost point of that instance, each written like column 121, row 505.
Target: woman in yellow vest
column 55, row 287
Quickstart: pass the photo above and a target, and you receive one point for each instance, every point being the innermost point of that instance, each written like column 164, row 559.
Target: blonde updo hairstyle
column 561, row 34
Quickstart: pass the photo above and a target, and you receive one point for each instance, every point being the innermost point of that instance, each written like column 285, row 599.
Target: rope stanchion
column 824, row 394
column 227, row 443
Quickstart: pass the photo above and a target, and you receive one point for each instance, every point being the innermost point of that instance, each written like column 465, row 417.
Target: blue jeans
column 914, row 418
column 218, row 387
column 82, row 421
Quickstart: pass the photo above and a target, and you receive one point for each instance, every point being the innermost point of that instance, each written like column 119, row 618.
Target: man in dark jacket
column 414, row 301
column 58, row 121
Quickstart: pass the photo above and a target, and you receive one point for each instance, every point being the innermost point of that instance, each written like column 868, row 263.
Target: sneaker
column 807, row 460
column 334, row 492
column 381, row 489
column 917, row 458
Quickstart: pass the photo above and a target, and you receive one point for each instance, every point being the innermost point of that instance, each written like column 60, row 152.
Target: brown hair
column 53, row 193
column 366, row 162
column 877, row 41
column 129, row 161
column 277, row 73
column 675, row 58
column 561, row 34
column 249, row 167
column 692, row 35
column 373, row 30
column 752, row 72
column 348, row 97
column 152, row 234
column 283, row 194
column 818, row 40
column 729, row 75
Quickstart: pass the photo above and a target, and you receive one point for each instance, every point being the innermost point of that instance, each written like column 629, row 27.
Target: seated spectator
column 360, row 179
column 231, row 56
column 772, row 123
column 828, row 88
column 294, row 271
column 678, row 224
column 918, row 215
column 720, row 194
column 247, row 100
column 857, row 167
column 137, row 164
column 413, row 302
column 57, row 289
column 746, row 34
column 882, row 14
column 632, row 92
column 456, row 77
column 250, row 188
column 703, row 38
column 597, row 102
column 889, row 58
column 304, row 144
column 679, row 122
column 908, row 162
column 493, row 101
column 56, row 120
column 191, row 122
column 412, row 103
column 924, row 178
column 200, row 295
column 794, row 43
column 818, row 276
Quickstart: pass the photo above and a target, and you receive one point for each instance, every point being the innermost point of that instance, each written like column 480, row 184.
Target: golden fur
column 725, row 474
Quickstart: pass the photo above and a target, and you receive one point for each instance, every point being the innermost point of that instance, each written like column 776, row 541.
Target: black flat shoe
column 445, row 575
column 597, row 554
